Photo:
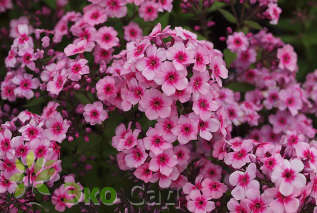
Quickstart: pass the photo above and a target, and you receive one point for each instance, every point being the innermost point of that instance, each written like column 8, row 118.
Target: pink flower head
column 94, row 113
column 148, row 10
column 273, row 12
column 155, row 141
column 291, row 99
column 187, row 128
column 280, row 121
column 237, row 42
column 106, row 88
column 240, row 156
column 25, row 83
column 199, row 83
column 94, row 14
column 204, row 105
column 151, row 65
column 132, row 32
column 219, row 69
column 245, row 184
column 180, row 55
column 288, row 178
column 6, row 185
column 235, row 207
column 166, row 126
column 155, row 104
column 211, row 171
column 213, row 189
column 57, row 128
column 287, row 57
column 127, row 139
column 164, row 162
column 107, row 37
column 207, row 127
column 199, row 203
column 171, row 79
column 77, row 69
column 144, row 173
column 281, row 203
column 115, row 8
column 136, row 156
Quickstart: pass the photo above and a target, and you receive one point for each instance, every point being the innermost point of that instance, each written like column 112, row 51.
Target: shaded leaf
column 50, row 3
column 30, row 159
column 228, row 16
column 42, row 188
column 240, row 87
column 216, row 5
column 17, row 177
column 38, row 165
column 19, row 190
column 253, row 25
column 19, row 165
column 229, row 57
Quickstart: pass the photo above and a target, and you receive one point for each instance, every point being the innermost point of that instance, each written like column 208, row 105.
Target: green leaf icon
column 42, row 188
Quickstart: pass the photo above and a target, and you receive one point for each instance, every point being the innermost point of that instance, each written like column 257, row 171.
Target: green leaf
column 19, row 191
column 82, row 98
column 240, row 87
column 228, row 16
column 38, row 165
column 229, row 57
column 36, row 101
column 253, row 24
column 45, row 175
column 163, row 20
column 42, row 188
column 217, row 5
column 19, row 165
column 49, row 163
column 51, row 3
column 30, row 159
column 18, row 177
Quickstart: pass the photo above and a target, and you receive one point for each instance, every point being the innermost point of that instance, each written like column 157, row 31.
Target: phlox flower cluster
column 99, row 10
column 266, row 9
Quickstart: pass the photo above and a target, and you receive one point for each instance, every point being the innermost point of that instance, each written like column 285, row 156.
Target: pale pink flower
column 199, row 83
column 94, row 113
column 106, row 88
column 235, row 207
column 204, row 105
column 273, row 12
column 180, row 55
column 107, row 37
column 291, row 99
column 144, row 173
column 288, row 178
column 56, row 128
column 77, row 69
column 164, row 162
column 280, row 121
column 213, row 189
column 94, row 14
column 281, row 203
column 151, row 65
column 136, row 156
column 115, row 8
column 237, row 42
column 240, row 156
column 287, row 57
column 207, row 127
column 155, row 141
column 171, row 79
column 219, row 70
column 148, row 10
column 25, row 83
column 167, row 125
column 132, row 32
column 186, row 129
column 155, row 104
column 199, row 203
column 211, row 171
column 245, row 184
